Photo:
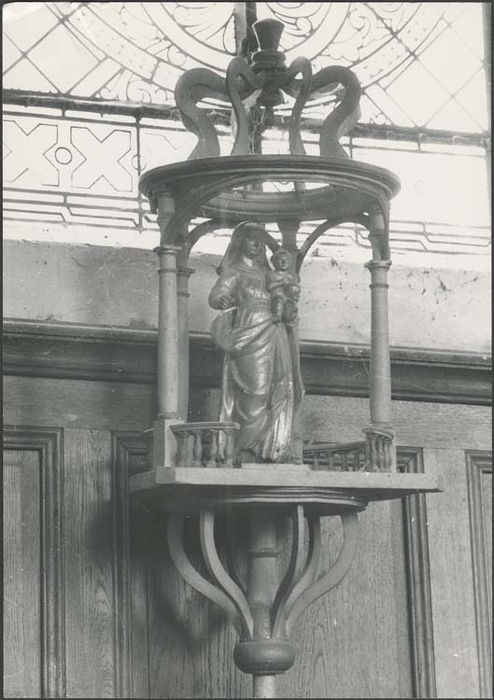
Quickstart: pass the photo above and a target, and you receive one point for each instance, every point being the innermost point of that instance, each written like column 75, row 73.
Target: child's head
column 281, row 259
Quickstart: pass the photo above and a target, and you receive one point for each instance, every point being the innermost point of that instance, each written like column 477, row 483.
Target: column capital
column 167, row 249
column 378, row 265
column 383, row 429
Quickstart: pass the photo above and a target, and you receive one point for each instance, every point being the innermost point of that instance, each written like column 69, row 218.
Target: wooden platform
column 326, row 492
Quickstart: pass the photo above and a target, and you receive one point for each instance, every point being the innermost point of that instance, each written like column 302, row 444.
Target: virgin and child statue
column 261, row 386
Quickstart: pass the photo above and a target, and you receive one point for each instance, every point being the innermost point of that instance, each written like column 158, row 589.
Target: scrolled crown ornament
column 264, row 79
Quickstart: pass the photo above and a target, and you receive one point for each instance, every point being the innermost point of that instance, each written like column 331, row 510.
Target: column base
column 380, row 448
column 164, row 442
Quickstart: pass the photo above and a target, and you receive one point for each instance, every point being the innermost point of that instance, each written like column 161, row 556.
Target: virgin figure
column 261, row 386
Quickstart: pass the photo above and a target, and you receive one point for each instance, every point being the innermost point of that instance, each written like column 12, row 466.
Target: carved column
column 289, row 230
column 168, row 391
column 380, row 374
column 184, row 273
column 168, row 342
column 380, row 362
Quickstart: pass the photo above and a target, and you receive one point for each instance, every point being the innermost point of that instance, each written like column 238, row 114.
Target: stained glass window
column 77, row 74
column 421, row 64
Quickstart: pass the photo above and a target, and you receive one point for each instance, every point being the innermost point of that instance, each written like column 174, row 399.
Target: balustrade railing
column 206, row 444
column 336, row 457
column 374, row 454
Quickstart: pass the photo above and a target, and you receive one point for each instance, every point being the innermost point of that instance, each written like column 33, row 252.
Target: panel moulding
column 48, row 442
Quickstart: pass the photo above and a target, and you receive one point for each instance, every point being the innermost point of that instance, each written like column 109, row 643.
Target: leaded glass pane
column 72, row 175
column 414, row 60
column 421, row 64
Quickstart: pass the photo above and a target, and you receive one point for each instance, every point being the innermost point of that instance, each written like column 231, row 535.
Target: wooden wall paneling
column 21, row 575
column 418, row 580
column 435, row 425
column 190, row 640
column 78, row 404
column 130, row 457
column 479, row 482
column 116, row 354
column 453, row 607
column 354, row 641
column 34, row 490
column 101, row 405
column 89, row 546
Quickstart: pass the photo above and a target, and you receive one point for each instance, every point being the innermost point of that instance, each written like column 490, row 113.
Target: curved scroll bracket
column 305, row 580
column 308, row 590
column 302, row 66
column 379, row 232
column 239, row 68
column 175, row 534
column 344, row 115
column 220, row 574
column 294, row 566
column 192, row 86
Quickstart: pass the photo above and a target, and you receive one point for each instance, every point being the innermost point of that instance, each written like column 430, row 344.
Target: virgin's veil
column 232, row 253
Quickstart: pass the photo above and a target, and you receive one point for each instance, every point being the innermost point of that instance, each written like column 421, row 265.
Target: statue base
column 189, row 489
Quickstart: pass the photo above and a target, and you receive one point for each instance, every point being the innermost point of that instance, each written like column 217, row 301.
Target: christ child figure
column 284, row 288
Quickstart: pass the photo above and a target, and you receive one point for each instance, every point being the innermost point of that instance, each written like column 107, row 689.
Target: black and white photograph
column 247, row 378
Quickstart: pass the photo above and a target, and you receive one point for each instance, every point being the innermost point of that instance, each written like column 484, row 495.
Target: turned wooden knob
column 268, row 33
column 264, row 656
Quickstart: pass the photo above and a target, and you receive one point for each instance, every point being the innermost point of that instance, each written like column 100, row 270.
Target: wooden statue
column 192, row 474
column 284, row 288
column 261, row 386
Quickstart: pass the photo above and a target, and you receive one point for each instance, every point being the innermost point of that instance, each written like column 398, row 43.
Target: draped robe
column 261, row 386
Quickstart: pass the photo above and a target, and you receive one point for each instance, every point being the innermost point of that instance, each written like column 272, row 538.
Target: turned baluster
column 374, row 463
column 351, row 461
column 229, row 450
column 331, row 461
column 362, row 458
column 211, row 462
column 196, row 449
column 387, row 456
column 216, row 454
column 182, row 444
column 344, row 461
column 378, row 453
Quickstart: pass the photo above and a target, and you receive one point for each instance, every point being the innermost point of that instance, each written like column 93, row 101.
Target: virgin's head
column 247, row 242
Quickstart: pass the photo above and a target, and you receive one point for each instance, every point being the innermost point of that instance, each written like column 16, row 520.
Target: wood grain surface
column 479, row 482
column 455, row 642
column 338, row 419
column 21, row 574
column 353, row 642
column 123, row 354
column 129, row 570
column 135, row 629
column 89, row 546
column 78, row 404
